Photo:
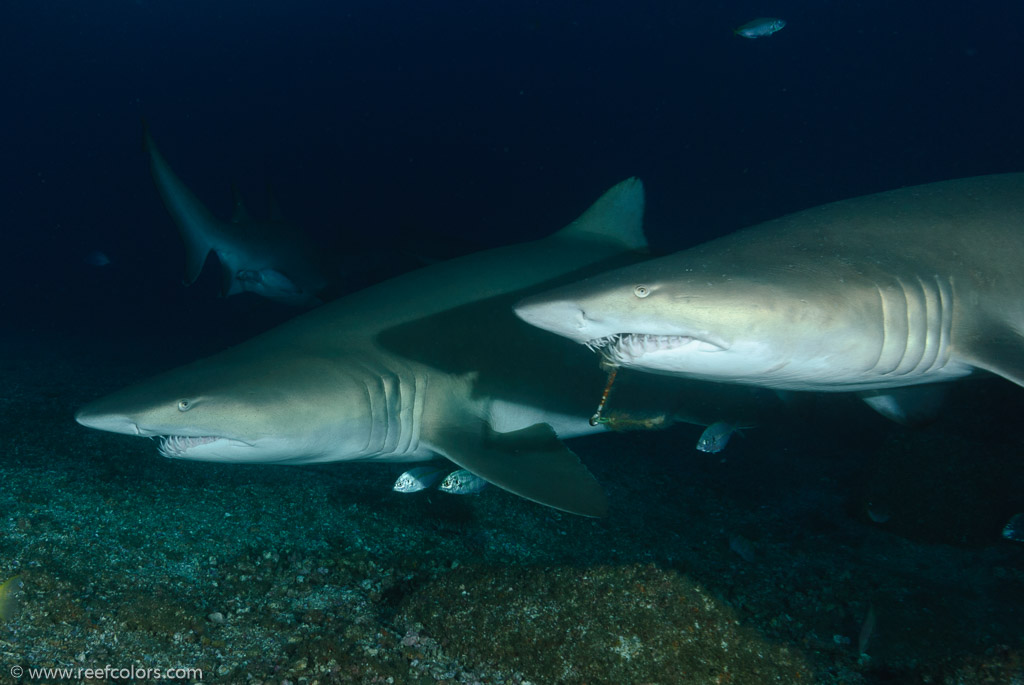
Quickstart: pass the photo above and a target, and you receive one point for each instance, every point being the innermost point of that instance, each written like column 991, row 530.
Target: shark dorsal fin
column 617, row 216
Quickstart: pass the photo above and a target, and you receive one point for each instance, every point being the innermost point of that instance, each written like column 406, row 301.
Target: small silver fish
column 419, row 478
column 716, row 436
column 462, row 482
column 760, row 28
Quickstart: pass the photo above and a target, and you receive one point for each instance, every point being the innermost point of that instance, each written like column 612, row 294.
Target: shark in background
column 270, row 258
column 877, row 295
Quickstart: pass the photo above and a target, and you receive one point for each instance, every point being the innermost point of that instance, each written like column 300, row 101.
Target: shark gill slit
column 412, row 415
column 916, row 339
column 885, row 328
column 391, row 385
column 933, row 323
column 916, row 326
column 407, row 408
column 897, row 331
column 398, row 424
column 366, row 383
column 946, row 324
column 931, row 341
column 368, row 449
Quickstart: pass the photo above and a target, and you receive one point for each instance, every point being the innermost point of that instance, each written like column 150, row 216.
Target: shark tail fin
column 195, row 223
column 617, row 216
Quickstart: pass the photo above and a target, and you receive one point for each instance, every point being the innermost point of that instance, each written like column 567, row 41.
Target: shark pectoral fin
column 912, row 405
column 1001, row 352
column 532, row 463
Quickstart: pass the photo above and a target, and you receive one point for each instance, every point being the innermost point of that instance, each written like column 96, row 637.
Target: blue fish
column 760, row 28
column 716, row 436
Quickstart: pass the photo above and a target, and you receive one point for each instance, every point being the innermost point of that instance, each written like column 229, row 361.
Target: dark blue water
column 490, row 122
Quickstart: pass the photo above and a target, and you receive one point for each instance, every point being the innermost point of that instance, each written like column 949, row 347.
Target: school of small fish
column 461, row 482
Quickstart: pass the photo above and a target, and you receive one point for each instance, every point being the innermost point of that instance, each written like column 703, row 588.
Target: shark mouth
column 625, row 347
column 175, row 446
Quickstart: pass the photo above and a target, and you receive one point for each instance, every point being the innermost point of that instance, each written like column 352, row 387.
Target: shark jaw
column 702, row 359
column 622, row 348
column 188, row 447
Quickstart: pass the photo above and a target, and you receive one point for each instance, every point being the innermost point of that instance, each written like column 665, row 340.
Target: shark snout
column 105, row 421
column 563, row 317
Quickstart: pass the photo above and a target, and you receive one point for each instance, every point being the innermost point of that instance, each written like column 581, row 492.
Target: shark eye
column 184, row 405
column 641, row 291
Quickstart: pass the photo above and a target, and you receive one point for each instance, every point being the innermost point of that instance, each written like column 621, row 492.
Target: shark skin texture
column 882, row 295
column 270, row 258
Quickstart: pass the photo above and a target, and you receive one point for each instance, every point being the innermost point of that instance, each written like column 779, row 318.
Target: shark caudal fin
column 194, row 221
column 532, row 463
column 617, row 216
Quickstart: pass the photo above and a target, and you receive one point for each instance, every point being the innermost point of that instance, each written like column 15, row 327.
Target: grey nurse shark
column 432, row 362
column 873, row 294
column 271, row 258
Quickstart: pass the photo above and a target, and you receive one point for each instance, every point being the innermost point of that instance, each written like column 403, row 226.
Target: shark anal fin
column 531, row 462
